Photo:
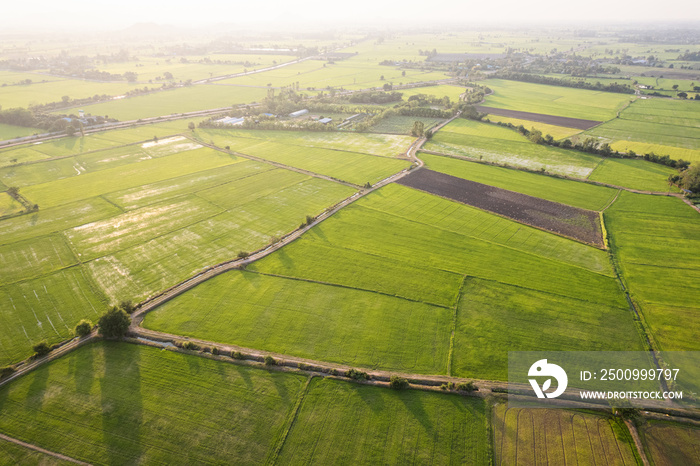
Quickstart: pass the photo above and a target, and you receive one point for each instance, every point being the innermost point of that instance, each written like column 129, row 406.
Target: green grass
column 12, row 454
column 47, row 308
column 311, row 320
column 53, row 91
column 87, row 185
column 634, row 174
column 664, row 127
column 11, row 131
column 403, row 124
column 31, row 258
column 8, row 205
column 185, row 99
column 668, row 444
column 270, row 206
column 494, row 318
column 387, row 145
column 445, row 90
column 342, row 423
column 348, row 74
column 116, row 403
column 655, row 240
column 557, row 132
column 353, row 167
column 557, row 436
column 56, row 219
column 492, row 143
column 555, row 100
column 573, row 193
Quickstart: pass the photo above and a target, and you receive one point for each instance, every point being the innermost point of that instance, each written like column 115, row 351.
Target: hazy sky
column 94, row 14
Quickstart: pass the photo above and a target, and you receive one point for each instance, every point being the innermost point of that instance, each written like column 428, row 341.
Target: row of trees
column 578, row 84
column 593, row 146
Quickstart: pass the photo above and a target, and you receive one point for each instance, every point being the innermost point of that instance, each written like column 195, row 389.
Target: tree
column 65, row 99
column 127, row 306
column 168, row 75
column 83, row 328
column 70, row 131
column 398, row 383
column 190, row 126
column 114, row 323
column 403, row 73
column 42, row 348
column 417, row 129
column 13, row 191
column 690, row 179
column 675, row 86
column 130, row 76
column 683, row 95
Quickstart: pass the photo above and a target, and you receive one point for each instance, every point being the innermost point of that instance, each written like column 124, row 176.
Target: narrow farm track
column 41, row 450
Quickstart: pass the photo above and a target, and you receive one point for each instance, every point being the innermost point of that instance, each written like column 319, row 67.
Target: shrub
column 467, row 386
column 237, row 355
column 333, row 372
column 357, row 375
column 6, row 371
column 270, row 361
column 310, row 219
column 83, row 328
column 114, row 323
column 215, row 350
column 242, row 254
column 206, row 349
column 398, row 383
column 42, row 348
column 190, row 345
column 127, row 306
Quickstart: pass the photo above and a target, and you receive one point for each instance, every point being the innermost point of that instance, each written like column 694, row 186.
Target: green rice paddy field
column 441, row 262
column 554, row 100
column 492, row 143
column 11, row 131
column 665, row 127
column 655, row 240
column 128, row 222
column 180, row 100
column 635, row 174
column 557, row 132
column 353, row 167
column 119, row 403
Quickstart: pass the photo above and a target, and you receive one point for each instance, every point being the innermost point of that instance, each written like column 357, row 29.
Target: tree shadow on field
column 122, row 403
column 243, row 373
column 37, row 389
column 414, row 404
column 82, row 370
column 373, row 398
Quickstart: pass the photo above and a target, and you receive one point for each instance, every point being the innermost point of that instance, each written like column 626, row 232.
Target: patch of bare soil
column 572, row 222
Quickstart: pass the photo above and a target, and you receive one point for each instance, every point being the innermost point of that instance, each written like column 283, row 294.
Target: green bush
column 114, row 323
column 190, row 345
column 467, row 386
column 237, row 355
column 398, row 383
column 42, row 348
column 6, row 371
column 270, row 361
column 215, row 350
column 127, row 306
column 357, row 375
column 242, row 254
column 83, row 328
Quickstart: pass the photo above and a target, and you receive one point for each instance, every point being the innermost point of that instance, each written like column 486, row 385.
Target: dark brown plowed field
column 579, row 224
column 541, row 117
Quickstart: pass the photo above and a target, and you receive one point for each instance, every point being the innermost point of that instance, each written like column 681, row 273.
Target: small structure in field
column 298, row 113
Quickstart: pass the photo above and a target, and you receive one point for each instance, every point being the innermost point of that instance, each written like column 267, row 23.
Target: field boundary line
column 637, row 442
column 347, row 287
column 293, row 417
column 454, row 325
column 276, row 164
column 42, row 450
